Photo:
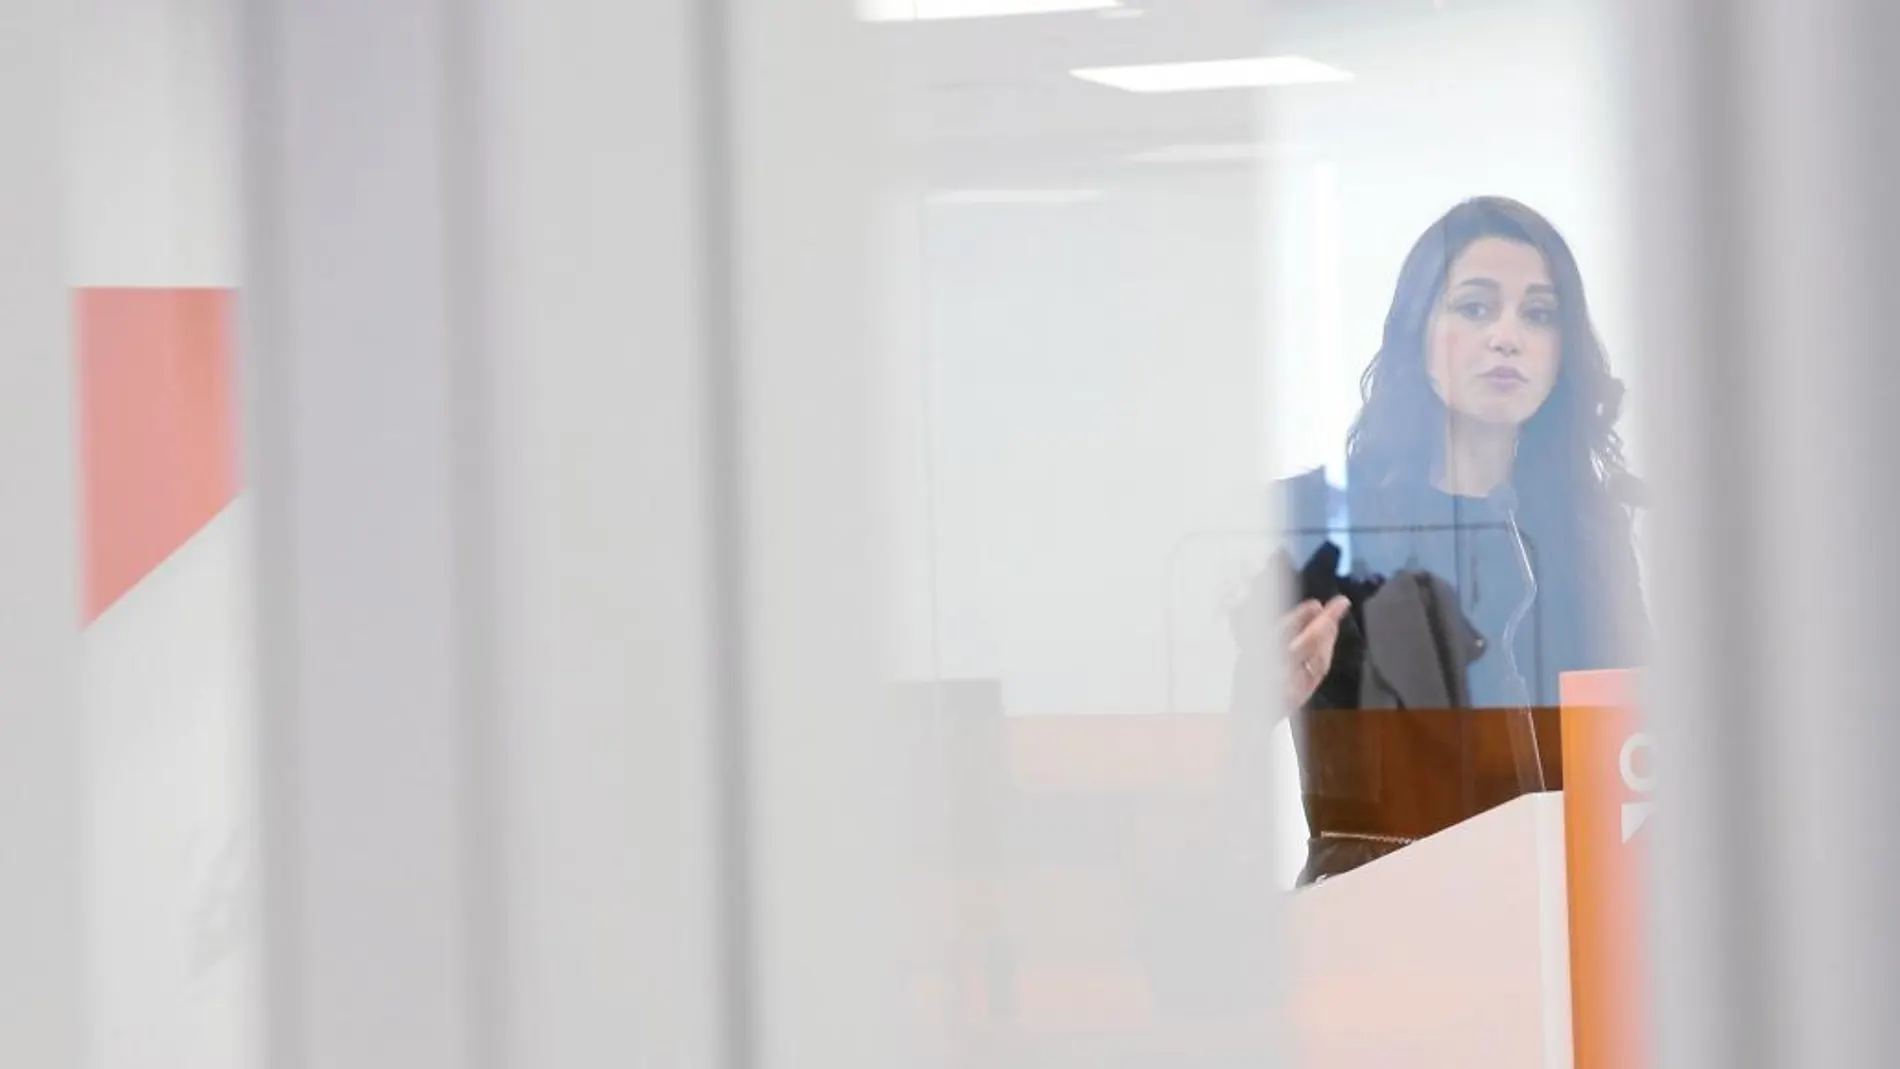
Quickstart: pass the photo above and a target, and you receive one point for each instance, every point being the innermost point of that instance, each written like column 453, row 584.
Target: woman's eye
column 1472, row 309
column 1543, row 317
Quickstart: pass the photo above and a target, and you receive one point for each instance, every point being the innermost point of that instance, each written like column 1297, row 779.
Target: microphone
column 1531, row 764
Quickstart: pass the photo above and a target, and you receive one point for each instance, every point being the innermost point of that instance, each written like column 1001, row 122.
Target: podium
column 1052, row 935
column 1511, row 937
column 1453, row 952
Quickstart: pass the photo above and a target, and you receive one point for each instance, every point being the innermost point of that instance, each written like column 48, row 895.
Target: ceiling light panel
column 1259, row 72
column 939, row 10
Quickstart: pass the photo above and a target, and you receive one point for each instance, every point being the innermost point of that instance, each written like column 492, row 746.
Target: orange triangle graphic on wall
column 158, row 447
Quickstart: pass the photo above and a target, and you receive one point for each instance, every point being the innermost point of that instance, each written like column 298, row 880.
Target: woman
column 1489, row 421
column 1485, row 457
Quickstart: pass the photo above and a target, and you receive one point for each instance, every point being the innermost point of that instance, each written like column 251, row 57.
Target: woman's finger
column 1305, row 671
column 1314, row 630
column 1295, row 623
column 1322, row 627
column 1313, row 648
column 1312, row 657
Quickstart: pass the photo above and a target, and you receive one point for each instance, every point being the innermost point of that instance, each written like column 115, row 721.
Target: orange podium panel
column 1607, row 781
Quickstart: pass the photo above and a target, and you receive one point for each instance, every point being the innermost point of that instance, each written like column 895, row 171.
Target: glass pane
column 1210, row 315
column 1082, row 477
column 1457, row 517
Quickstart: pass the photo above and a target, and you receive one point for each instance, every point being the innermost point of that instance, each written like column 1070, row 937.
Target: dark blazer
column 1406, row 644
column 1415, row 653
column 1583, row 610
column 1419, row 646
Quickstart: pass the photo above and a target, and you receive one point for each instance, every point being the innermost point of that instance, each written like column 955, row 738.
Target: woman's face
column 1493, row 345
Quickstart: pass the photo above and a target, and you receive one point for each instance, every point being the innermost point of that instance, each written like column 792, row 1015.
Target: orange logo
column 1608, row 780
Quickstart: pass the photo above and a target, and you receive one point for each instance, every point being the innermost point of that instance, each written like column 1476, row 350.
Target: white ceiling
column 992, row 100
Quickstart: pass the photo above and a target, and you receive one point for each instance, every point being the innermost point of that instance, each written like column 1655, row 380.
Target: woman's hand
column 1311, row 630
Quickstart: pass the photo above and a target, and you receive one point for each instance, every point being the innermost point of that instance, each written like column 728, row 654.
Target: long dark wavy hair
column 1570, row 475
column 1399, row 436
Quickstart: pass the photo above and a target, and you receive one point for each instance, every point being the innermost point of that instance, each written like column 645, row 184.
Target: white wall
column 1108, row 374
column 152, row 201
column 1093, row 403
column 168, row 703
column 151, row 135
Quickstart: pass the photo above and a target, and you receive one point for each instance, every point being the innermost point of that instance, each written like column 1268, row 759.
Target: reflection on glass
column 1081, row 393
column 1451, row 544
column 1488, row 514
column 1141, row 315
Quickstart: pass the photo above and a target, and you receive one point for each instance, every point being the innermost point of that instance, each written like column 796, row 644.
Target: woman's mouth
column 1505, row 376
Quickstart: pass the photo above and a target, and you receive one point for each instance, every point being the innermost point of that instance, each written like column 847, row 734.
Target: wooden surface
column 1416, row 772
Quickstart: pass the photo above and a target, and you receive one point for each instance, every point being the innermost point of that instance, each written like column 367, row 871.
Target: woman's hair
column 1569, row 446
column 1570, row 479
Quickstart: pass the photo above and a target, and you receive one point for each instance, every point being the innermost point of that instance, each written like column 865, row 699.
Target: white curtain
column 1764, row 164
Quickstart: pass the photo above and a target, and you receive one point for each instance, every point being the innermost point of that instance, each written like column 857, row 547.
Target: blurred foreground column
column 558, row 407
column 1767, row 154
column 364, row 450
column 42, row 1020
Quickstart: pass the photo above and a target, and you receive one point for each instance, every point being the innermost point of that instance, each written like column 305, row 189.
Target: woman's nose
column 1506, row 339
